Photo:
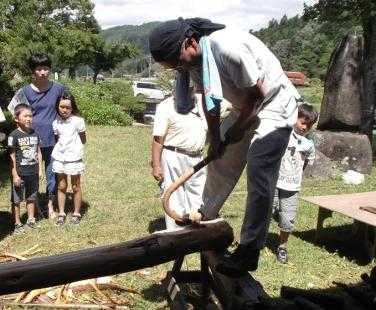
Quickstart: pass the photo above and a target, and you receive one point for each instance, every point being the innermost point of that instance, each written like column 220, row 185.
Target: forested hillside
column 305, row 45
column 138, row 34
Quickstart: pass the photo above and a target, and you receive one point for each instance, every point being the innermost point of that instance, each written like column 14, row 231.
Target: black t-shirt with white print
column 25, row 146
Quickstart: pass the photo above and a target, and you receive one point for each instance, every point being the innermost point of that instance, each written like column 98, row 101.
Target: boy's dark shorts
column 28, row 190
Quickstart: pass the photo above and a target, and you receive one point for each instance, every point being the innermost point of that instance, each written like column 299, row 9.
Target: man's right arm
column 156, row 153
column 159, row 133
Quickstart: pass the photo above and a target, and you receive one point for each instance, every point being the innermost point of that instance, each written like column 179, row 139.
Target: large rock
column 348, row 150
column 342, row 102
column 323, row 168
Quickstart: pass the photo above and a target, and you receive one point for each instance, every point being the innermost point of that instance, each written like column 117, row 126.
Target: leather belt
column 179, row 150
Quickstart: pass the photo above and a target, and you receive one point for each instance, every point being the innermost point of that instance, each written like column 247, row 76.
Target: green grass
column 119, row 193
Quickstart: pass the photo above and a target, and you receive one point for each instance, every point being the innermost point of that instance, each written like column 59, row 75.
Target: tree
column 363, row 11
column 75, row 47
column 36, row 25
column 106, row 57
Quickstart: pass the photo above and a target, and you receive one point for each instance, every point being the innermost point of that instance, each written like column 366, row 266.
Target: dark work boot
column 238, row 263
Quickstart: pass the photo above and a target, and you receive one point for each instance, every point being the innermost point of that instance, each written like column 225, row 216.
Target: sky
column 241, row 14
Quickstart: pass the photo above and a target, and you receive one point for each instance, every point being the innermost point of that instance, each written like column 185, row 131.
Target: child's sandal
column 60, row 220
column 76, row 219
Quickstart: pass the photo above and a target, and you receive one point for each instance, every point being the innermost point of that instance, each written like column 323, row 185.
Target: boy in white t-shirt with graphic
column 299, row 153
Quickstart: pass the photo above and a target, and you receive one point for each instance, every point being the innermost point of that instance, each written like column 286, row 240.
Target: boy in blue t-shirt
column 26, row 158
column 42, row 95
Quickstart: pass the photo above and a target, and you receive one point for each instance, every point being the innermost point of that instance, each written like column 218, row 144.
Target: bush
column 122, row 94
column 105, row 103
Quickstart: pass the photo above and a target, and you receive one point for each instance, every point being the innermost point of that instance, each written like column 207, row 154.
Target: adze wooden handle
column 179, row 219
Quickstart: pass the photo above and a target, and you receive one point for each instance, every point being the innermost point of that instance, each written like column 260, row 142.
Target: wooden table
column 349, row 205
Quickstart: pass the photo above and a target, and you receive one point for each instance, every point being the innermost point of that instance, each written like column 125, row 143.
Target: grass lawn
column 119, row 194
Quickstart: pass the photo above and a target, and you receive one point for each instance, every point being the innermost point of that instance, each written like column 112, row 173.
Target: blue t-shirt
column 44, row 110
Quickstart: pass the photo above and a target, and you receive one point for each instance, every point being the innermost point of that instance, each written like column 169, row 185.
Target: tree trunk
column 113, row 259
column 95, row 75
column 72, row 73
column 369, row 73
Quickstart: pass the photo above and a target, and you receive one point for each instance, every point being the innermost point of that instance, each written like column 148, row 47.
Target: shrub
column 105, row 103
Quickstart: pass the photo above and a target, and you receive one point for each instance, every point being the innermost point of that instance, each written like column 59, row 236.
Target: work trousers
column 188, row 196
column 262, row 154
column 50, row 175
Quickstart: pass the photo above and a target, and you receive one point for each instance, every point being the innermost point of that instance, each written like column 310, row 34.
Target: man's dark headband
column 166, row 39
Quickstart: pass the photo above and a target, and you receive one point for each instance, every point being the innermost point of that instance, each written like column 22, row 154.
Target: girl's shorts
column 69, row 168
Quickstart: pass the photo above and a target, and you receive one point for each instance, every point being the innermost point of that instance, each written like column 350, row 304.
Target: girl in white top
column 69, row 130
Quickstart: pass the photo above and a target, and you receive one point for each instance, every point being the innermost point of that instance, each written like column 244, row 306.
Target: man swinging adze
column 237, row 66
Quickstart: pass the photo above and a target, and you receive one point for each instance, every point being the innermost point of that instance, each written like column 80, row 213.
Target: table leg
column 370, row 241
column 323, row 214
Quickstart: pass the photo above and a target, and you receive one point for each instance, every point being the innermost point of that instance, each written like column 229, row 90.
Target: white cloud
column 243, row 14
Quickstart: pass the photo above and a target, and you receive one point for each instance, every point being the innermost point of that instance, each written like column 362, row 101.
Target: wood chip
column 11, row 255
column 33, row 294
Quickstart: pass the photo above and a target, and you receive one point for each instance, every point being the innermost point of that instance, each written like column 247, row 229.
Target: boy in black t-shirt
column 26, row 159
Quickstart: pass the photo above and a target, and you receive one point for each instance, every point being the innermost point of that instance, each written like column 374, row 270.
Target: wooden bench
column 349, row 205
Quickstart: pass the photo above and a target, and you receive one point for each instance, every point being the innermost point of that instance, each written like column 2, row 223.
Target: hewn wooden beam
column 118, row 258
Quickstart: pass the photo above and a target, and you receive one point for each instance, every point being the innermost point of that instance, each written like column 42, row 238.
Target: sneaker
column 242, row 260
column 60, row 220
column 282, row 255
column 19, row 229
column 75, row 219
column 31, row 223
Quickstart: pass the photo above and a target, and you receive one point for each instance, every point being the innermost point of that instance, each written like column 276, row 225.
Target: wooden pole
column 123, row 257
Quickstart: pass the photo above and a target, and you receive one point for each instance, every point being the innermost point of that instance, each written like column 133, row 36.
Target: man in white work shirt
column 237, row 66
column 178, row 143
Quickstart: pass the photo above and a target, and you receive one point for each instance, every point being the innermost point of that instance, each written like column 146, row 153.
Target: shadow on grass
column 337, row 297
column 191, row 293
column 154, row 293
column 272, row 242
column 156, row 224
column 4, row 169
column 69, row 205
column 338, row 239
column 340, row 296
column 6, row 224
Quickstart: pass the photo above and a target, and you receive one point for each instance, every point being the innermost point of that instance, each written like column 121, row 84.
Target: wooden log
column 123, row 257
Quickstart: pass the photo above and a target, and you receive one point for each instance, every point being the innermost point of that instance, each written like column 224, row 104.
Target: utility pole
column 149, row 65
